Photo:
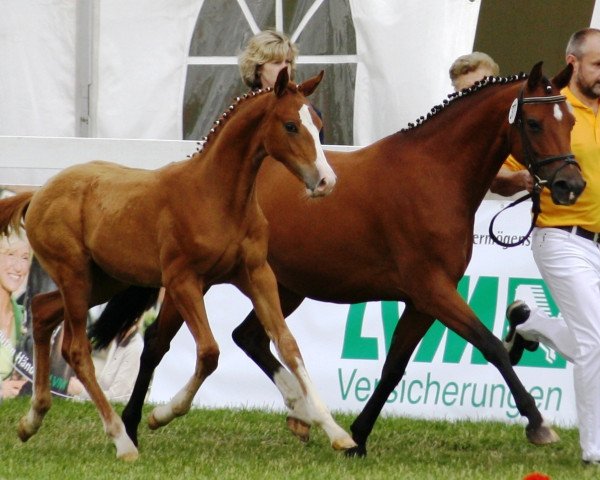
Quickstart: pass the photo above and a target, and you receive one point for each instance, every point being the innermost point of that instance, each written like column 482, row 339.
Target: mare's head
column 291, row 134
column 541, row 138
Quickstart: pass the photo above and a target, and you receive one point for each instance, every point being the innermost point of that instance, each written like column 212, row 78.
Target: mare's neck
column 470, row 140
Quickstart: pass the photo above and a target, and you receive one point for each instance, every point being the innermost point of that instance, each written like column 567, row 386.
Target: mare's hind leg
column 47, row 314
column 251, row 337
column 156, row 344
column 452, row 311
column 188, row 296
column 261, row 287
column 75, row 287
column 409, row 331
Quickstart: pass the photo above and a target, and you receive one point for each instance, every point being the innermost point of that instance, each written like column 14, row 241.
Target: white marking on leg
column 115, row 429
column 179, row 405
column 292, row 395
column 338, row 437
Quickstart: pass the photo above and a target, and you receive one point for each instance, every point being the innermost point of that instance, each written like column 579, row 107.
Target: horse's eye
column 291, row 127
column 534, row 125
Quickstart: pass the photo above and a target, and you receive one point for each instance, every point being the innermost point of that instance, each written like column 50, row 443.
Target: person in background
column 566, row 249
column 465, row 71
column 14, row 266
column 117, row 376
column 264, row 56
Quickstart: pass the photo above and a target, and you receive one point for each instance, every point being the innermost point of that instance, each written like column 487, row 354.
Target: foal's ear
column 535, row 76
column 562, row 79
column 311, row 84
column 283, row 78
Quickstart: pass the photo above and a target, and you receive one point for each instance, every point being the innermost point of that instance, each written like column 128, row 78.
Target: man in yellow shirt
column 566, row 249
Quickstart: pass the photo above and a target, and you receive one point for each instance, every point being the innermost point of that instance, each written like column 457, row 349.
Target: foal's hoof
column 23, row 431
column 299, row 428
column 543, row 435
column 153, row 423
column 344, row 443
column 129, row 456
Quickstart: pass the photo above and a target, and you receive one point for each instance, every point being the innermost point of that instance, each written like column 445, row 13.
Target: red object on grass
column 536, row 476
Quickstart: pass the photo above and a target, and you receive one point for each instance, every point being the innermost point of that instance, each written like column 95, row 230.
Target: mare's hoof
column 358, row 451
column 543, row 435
column 299, row 428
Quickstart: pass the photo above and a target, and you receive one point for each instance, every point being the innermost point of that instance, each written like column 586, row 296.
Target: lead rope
column 535, row 210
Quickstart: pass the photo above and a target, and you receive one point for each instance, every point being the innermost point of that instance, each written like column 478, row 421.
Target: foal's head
column 543, row 123
column 291, row 134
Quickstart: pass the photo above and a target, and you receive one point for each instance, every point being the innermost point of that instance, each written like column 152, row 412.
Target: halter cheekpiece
column 531, row 161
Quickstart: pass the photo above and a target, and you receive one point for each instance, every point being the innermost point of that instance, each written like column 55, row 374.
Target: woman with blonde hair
column 266, row 53
column 14, row 266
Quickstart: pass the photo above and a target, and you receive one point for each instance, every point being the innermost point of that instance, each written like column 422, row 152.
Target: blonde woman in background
column 15, row 257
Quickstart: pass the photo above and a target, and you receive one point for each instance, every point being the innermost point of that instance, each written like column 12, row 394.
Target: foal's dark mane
column 477, row 86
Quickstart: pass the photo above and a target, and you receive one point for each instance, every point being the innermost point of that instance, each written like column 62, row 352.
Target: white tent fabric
column 142, row 64
column 140, row 61
column 405, row 50
column 37, row 54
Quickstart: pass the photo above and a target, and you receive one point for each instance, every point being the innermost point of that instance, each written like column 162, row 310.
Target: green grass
column 254, row 444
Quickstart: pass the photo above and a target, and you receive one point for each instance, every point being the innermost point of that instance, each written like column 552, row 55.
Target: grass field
column 254, row 444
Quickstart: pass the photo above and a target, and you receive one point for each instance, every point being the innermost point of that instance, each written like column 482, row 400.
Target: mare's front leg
column 250, row 336
column 47, row 314
column 259, row 284
column 408, row 333
column 447, row 305
column 187, row 294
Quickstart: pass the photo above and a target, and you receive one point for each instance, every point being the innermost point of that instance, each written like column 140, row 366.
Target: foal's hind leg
column 187, row 295
column 75, row 287
column 409, row 331
column 250, row 336
column 261, row 288
column 47, row 314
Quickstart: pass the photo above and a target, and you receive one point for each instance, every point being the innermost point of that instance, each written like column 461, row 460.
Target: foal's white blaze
column 558, row 112
column 325, row 171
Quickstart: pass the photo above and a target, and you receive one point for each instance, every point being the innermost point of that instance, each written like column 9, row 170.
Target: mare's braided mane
column 477, row 86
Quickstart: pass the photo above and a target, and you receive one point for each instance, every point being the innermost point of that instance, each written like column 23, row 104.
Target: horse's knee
column 209, row 358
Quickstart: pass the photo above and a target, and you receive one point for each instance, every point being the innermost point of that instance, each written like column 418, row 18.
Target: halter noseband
column 532, row 162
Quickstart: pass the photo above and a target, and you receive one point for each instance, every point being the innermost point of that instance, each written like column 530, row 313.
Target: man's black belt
column 582, row 232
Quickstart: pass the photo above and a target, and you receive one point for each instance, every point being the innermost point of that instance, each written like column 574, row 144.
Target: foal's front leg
column 188, row 296
column 261, row 287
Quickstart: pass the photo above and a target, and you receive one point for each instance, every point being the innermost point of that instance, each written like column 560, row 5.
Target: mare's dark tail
column 120, row 313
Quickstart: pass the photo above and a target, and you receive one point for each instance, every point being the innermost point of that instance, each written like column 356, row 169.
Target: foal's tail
column 120, row 313
column 12, row 212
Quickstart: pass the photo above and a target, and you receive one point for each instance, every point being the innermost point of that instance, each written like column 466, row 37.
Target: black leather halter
column 532, row 162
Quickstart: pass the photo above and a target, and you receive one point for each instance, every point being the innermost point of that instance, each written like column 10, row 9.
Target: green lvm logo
column 485, row 303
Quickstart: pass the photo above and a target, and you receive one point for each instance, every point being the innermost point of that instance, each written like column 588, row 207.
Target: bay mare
column 99, row 227
column 399, row 226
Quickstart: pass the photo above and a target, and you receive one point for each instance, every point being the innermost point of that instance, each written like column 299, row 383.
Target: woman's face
column 14, row 265
column 268, row 72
